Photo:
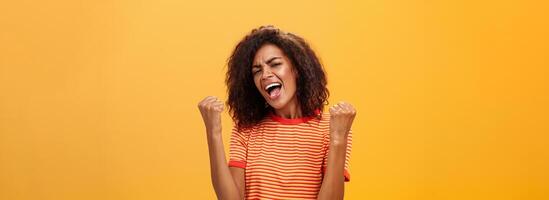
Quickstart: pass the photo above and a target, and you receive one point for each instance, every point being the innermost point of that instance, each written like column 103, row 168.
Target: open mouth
column 273, row 89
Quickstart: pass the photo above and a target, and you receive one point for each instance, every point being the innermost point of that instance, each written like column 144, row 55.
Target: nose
column 267, row 73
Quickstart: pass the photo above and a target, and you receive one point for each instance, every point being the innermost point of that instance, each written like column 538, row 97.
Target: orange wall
column 98, row 98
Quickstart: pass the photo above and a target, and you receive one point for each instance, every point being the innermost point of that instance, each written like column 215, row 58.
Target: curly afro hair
column 246, row 105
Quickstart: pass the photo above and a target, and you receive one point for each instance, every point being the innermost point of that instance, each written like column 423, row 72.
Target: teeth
column 272, row 85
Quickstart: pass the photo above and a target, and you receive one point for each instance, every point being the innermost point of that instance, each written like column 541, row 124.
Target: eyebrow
column 268, row 61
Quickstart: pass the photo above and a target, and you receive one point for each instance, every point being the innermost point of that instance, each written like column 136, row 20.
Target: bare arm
column 239, row 179
column 222, row 179
column 333, row 186
column 227, row 182
column 341, row 119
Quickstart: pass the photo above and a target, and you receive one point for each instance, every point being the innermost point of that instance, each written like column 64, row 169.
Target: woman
column 282, row 145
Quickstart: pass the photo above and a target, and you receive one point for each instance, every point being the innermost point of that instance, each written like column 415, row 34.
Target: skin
column 271, row 65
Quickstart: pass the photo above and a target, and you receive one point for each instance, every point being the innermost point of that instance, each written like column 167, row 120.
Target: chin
column 276, row 105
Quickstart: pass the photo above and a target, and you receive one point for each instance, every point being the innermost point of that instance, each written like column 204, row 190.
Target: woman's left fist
column 341, row 120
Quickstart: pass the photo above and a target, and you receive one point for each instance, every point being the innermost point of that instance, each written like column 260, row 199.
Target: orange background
column 98, row 99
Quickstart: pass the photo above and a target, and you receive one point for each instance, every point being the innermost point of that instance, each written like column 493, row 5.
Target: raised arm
column 341, row 119
column 227, row 183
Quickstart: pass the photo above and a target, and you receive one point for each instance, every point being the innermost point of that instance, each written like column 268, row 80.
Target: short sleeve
column 238, row 148
column 346, row 171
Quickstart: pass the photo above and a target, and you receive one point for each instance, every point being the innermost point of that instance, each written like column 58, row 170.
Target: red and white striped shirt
column 284, row 158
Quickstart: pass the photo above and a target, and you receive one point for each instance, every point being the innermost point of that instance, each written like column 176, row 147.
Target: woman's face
column 274, row 76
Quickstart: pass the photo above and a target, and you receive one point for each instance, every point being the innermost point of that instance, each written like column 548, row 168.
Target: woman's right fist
column 210, row 109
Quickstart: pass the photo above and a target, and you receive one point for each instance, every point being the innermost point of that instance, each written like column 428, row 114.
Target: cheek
column 291, row 83
column 292, row 78
column 257, row 84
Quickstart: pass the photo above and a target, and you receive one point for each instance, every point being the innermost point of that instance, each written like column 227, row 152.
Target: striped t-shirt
column 284, row 158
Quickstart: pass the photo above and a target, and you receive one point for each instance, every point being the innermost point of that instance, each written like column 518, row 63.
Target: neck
column 291, row 111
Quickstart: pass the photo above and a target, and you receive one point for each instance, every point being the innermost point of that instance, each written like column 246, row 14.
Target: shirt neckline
column 282, row 120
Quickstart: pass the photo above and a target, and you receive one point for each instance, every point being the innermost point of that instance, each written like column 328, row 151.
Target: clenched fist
column 210, row 109
column 341, row 120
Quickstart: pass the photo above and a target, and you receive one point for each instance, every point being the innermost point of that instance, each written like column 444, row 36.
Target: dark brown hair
column 246, row 105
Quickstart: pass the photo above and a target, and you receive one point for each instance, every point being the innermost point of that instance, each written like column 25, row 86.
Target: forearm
column 333, row 182
column 223, row 183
